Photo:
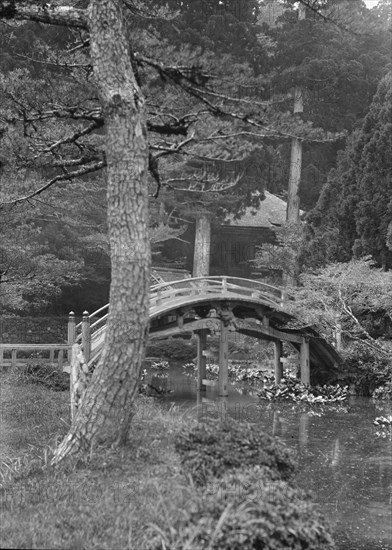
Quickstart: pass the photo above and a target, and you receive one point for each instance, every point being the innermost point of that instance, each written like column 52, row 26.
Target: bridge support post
column 278, row 367
column 305, row 362
column 223, row 379
column 201, row 359
column 86, row 344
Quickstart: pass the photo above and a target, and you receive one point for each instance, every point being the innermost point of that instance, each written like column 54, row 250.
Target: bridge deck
column 169, row 300
column 199, row 304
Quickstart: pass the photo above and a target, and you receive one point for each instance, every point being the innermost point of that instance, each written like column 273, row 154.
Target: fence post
column 86, row 336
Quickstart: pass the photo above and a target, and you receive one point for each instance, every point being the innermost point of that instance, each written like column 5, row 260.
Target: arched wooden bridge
column 219, row 305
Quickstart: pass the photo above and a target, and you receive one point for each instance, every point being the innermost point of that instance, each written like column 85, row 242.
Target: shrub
column 210, row 449
column 176, row 349
column 366, row 369
column 44, row 375
column 292, row 389
column 247, row 510
column 383, row 392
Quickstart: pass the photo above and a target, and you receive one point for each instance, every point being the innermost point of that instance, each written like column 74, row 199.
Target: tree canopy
column 354, row 212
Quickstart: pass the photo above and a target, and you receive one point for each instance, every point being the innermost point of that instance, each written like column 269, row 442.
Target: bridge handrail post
column 86, row 340
column 71, row 333
column 224, row 284
column 71, row 328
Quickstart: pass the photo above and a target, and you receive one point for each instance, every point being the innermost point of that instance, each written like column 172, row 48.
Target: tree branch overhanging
column 45, row 13
column 94, row 167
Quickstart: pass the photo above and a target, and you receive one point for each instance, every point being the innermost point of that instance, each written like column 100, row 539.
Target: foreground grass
column 149, row 495
column 104, row 501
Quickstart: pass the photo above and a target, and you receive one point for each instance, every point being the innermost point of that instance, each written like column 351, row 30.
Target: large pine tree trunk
column 201, row 257
column 292, row 215
column 105, row 411
column 293, row 203
column 295, row 166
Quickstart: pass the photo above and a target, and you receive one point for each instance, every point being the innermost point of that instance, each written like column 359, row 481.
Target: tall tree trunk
column 293, row 203
column 201, row 257
column 106, row 408
column 292, row 214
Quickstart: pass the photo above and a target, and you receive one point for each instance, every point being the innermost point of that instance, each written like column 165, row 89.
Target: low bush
column 243, row 499
column 176, row 349
column 247, row 511
column 292, row 389
column 366, row 369
column 42, row 374
column 212, row 448
column 383, row 392
column 383, row 426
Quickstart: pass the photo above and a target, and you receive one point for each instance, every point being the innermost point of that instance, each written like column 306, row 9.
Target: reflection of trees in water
column 349, row 473
column 346, row 468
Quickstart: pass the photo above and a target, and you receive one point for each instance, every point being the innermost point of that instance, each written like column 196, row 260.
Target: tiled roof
column 272, row 211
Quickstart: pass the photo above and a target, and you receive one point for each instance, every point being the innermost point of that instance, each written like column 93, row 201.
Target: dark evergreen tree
column 354, row 211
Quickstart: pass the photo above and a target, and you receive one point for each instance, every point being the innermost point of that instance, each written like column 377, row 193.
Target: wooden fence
column 58, row 354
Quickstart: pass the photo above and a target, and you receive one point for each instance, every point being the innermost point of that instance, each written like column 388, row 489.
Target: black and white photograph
column 196, row 274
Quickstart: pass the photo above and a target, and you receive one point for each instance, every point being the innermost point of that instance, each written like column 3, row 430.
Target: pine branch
column 71, row 139
column 44, row 13
column 62, row 177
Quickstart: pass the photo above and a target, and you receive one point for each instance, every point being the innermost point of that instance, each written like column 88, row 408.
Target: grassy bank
column 105, row 501
column 150, row 494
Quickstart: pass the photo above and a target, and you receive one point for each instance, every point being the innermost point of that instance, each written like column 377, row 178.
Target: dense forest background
column 54, row 251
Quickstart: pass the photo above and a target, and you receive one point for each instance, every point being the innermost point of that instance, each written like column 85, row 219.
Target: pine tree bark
column 295, row 166
column 292, row 215
column 105, row 411
column 201, row 257
column 293, row 202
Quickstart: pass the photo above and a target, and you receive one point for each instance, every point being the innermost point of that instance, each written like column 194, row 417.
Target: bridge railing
column 91, row 330
column 216, row 285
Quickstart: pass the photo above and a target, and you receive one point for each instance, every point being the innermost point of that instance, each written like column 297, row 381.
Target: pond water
column 346, row 467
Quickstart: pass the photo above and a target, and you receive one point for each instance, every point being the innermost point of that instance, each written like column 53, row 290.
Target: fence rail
column 15, row 349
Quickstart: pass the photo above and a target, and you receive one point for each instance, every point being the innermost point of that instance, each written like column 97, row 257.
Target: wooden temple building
column 233, row 243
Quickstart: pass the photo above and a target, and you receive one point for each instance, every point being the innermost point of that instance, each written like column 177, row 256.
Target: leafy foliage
column 384, row 391
column 174, row 349
column 366, row 369
column 246, row 503
column 31, row 276
column 291, row 389
column 247, row 510
column 288, row 256
column 212, row 448
column 42, row 374
column 332, row 298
